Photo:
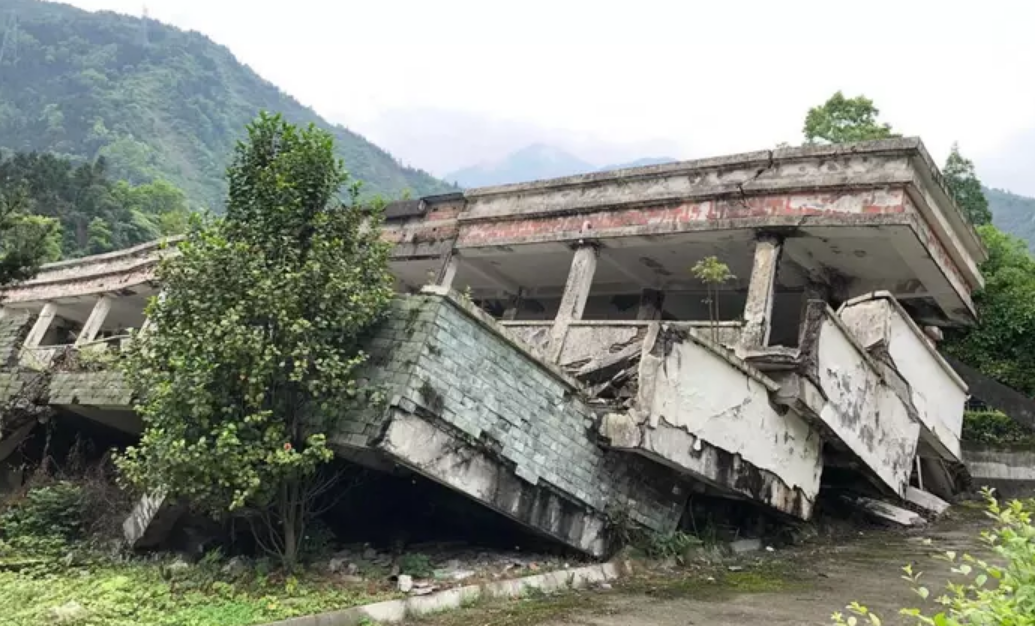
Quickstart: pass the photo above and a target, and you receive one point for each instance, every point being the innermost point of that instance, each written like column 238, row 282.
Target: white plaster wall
column 863, row 412
column 696, row 390
column 937, row 395
column 939, row 400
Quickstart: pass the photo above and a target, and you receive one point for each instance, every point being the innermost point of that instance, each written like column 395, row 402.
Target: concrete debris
column 405, row 583
column 887, row 512
column 927, row 502
column 152, row 519
column 741, row 546
column 235, row 566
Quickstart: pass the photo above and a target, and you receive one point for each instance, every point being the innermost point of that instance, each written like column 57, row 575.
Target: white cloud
column 702, row 77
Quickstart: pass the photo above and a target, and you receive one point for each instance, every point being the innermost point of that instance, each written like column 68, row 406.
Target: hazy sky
column 446, row 83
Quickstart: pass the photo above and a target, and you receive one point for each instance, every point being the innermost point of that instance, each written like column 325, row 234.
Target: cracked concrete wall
column 477, row 411
column 937, row 392
column 706, row 413
column 847, row 392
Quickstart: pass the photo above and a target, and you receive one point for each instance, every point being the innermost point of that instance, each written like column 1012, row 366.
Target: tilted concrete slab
column 702, row 411
column 938, row 394
column 478, row 411
column 844, row 393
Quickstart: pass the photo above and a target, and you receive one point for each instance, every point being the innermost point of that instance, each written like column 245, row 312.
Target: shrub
column 45, row 514
column 416, row 565
column 989, row 594
column 996, row 428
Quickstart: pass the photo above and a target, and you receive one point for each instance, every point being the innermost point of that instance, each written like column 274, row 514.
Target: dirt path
column 793, row 587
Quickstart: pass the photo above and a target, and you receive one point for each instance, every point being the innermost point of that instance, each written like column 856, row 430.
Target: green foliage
column 256, row 341
column 78, row 210
column 844, row 120
column 1001, row 593
column 147, row 592
column 965, row 187
column 52, row 512
column 26, row 240
column 713, row 273
column 1002, row 345
column 157, row 102
column 996, row 429
column 668, row 545
column 416, row 565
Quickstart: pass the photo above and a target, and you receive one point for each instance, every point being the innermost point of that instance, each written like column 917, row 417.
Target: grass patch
column 527, row 611
column 714, row 583
column 151, row 593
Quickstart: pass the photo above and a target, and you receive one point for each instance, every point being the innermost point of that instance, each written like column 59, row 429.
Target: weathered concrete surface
column 151, row 521
column 573, row 301
column 93, row 275
column 394, row 611
column 1011, row 472
column 887, row 512
column 930, row 504
column 843, row 391
column 477, row 411
column 703, row 412
column 588, row 339
column 938, row 394
column 758, row 311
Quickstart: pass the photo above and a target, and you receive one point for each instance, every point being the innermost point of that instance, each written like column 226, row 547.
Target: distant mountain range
column 155, row 101
column 1013, row 214
column 535, row 162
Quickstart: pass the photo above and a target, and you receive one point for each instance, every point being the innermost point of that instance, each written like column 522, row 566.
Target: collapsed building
column 552, row 356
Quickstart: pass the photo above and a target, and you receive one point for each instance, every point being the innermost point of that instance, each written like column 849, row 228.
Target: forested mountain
column 155, row 101
column 1013, row 214
column 82, row 210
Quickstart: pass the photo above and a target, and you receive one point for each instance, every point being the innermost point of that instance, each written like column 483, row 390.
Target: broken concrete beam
column 886, row 511
column 9, row 442
column 927, row 502
column 151, row 521
column 606, row 366
column 576, row 294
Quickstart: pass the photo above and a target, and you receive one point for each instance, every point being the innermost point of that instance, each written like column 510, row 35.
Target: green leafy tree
column 713, row 273
column 844, row 120
column 90, row 212
column 965, row 187
column 26, row 241
column 1002, row 344
column 256, row 340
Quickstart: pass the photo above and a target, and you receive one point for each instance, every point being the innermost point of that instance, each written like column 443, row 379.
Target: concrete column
column 758, row 310
column 576, row 293
column 447, row 273
column 39, row 329
column 813, row 291
column 651, row 301
column 95, row 321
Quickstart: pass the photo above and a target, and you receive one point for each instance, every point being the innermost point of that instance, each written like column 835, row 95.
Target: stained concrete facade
column 586, row 370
